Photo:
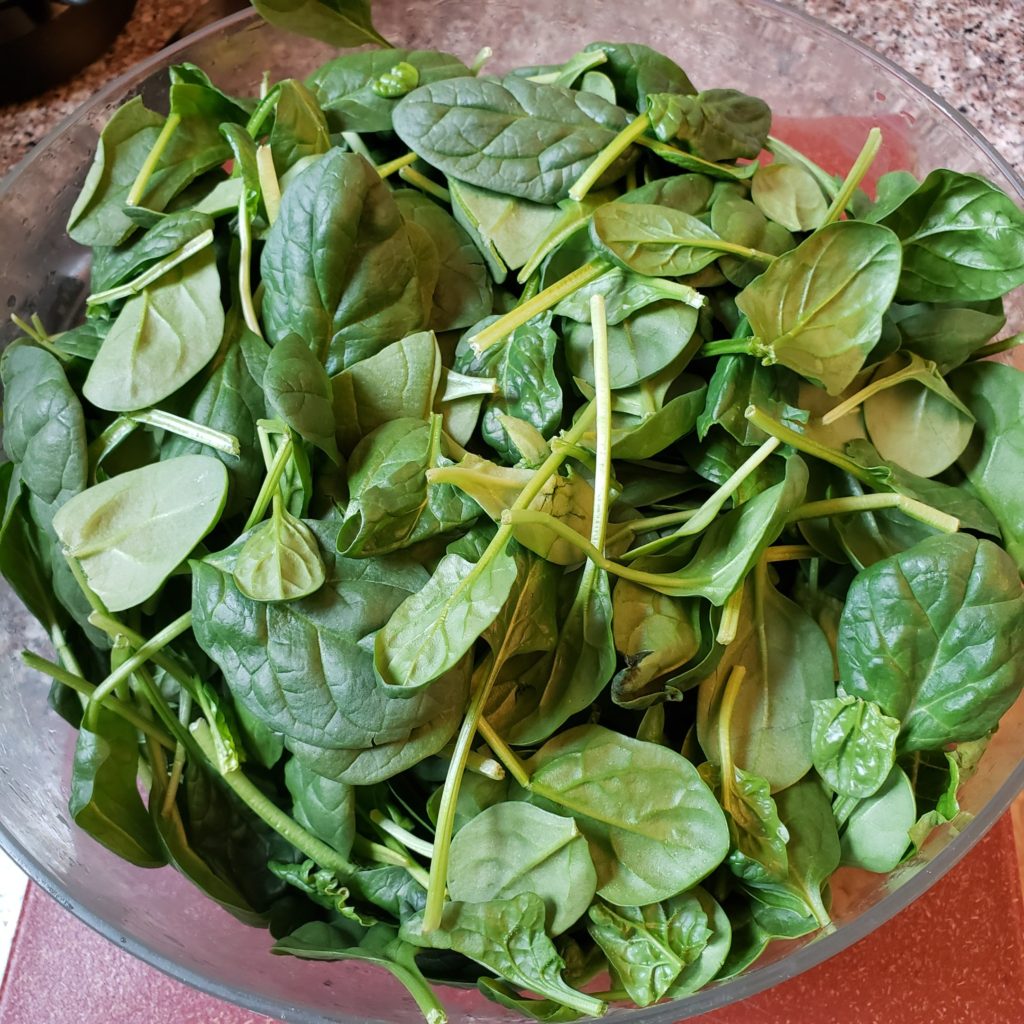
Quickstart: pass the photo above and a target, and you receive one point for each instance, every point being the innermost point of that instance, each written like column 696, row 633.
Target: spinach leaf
column 161, row 338
column 507, row 937
column 344, row 87
column 637, row 70
column 514, row 136
column 789, row 195
column 818, row 309
column 514, row 848
column 338, row 266
column 718, row 124
column 324, row 806
column 105, row 799
column 399, row 381
column 131, row 532
column 299, row 129
column 280, row 561
column 877, row 833
column 650, row 946
column 963, row 240
column 853, row 744
column 738, row 382
column 338, row 22
column 653, row 827
column 995, row 396
column 44, row 426
column 947, row 334
column 299, row 391
column 925, row 628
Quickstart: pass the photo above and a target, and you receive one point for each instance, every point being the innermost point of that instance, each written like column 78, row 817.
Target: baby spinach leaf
column 338, row 266
column 131, row 532
column 995, row 396
column 507, row 937
column 547, row 1011
column 280, row 561
column 928, row 626
column 948, row 334
column 528, row 388
column 789, row 195
column 818, row 309
column 514, row 136
column 853, row 744
column 338, row 22
column 462, row 295
column 718, row 124
column 962, row 238
column 299, row 129
column 514, row 848
column 625, row 293
column 324, row 806
column 344, row 87
column 711, row 958
column 637, row 70
column 44, row 426
column 788, row 665
column 161, row 338
column 654, row 828
column 643, row 437
column 105, row 799
column 736, row 383
column 391, row 505
column 877, row 833
column 650, row 946
column 299, row 391
column 399, row 381
column 432, row 630
column 97, row 218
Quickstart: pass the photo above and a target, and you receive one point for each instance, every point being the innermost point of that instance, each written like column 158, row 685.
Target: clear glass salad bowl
column 825, row 90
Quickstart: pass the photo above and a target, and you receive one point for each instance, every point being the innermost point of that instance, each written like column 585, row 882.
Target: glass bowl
column 825, row 90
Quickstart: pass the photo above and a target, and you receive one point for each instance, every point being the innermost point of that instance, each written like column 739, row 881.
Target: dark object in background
column 43, row 43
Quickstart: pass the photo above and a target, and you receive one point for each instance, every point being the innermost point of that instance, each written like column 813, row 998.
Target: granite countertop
column 969, row 53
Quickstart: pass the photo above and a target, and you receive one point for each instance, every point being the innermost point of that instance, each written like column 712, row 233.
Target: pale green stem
column 269, row 185
column 729, row 625
column 703, row 516
column 847, row 406
column 667, row 152
column 508, row 757
column 105, row 443
column 262, row 111
column 860, row 167
column 526, row 311
column 404, row 836
column 729, row 695
column 483, row 56
column 40, row 337
column 424, row 184
column 178, row 765
column 356, row 144
column 458, row 385
column 245, row 268
column 747, row 346
column 286, row 827
column 788, row 553
column 75, row 682
column 147, row 169
column 144, row 653
column 603, row 402
column 589, row 178
column 386, row 170
column 153, row 273
column 198, row 432
column 638, row 526
column 869, row 502
column 269, row 488
column 478, row 763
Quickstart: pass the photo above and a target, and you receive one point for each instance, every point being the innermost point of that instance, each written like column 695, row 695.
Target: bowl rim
column 726, row 993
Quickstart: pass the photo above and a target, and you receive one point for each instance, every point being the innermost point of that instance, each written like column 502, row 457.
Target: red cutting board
column 956, row 956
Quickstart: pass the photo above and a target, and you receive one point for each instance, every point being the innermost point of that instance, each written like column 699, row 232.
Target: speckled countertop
column 969, row 52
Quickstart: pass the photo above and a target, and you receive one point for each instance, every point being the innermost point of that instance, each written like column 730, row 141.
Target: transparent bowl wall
column 805, row 71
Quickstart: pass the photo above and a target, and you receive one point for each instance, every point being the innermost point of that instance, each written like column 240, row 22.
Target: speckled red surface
column 956, row 956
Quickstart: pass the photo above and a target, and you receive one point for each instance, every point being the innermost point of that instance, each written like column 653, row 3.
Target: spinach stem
column 730, row 622
column 147, row 169
column 386, row 170
column 284, row 825
column 725, row 710
column 355, row 142
column 178, row 764
column 508, row 757
column 860, row 167
column 75, row 682
column 995, row 347
column 747, row 346
column 245, row 267
column 847, row 406
column 105, row 443
column 458, row 385
column 870, row 502
column 589, row 178
column 143, row 654
column 262, row 111
column 679, row 156
column 90, row 595
column 404, row 836
column 544, row 300
column 478, row 763
column 787, row 553
column 603, row 428
column 42, row 341
column 483, row 56
column 698, row 520
column 564, row 227
column 270, row 188
column 269, row 488
column 638, row 526
column 424, row 184
column 198, row 432
column 149, row 690
column 153, row 273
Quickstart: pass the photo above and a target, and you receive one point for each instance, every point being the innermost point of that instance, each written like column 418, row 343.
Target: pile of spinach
column 527, row 530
